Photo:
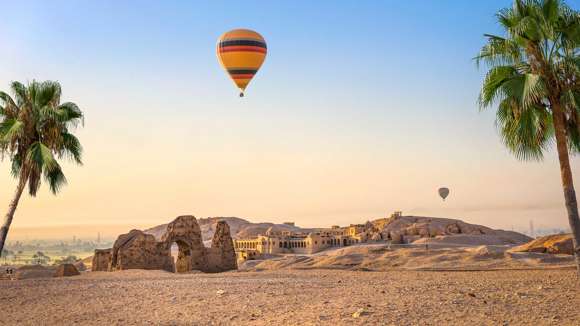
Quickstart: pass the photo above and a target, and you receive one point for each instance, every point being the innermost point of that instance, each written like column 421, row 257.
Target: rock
column 360, row 312
column 552, row 244
column 101, row 260
column 66, row 270
column 80, row 266
column 471, row 294
column 220, row 292
column 521, row 294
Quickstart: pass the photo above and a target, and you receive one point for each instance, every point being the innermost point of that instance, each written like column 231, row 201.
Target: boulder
column 66, row 270
column 101, row 260
column 80, row 266
column 552, row 244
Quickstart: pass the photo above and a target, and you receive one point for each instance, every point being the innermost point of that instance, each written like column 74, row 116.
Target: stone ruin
column 139, row 250
column 66, row 270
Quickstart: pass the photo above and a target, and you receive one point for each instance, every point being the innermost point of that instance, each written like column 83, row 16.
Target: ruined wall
column 138, row 250
column 101, row 260
column 221, row 256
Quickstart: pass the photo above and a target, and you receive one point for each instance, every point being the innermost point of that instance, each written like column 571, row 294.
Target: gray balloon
column 443, row 192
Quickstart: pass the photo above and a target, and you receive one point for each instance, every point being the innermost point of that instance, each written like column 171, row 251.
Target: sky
column 361, row 108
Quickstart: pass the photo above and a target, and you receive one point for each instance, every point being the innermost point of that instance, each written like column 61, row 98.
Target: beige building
column 277, row 242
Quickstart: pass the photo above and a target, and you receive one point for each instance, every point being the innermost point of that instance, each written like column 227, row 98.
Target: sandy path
column 295, row 297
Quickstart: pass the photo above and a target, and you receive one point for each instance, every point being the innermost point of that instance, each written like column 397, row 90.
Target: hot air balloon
column 241, row 52
column 443, row 192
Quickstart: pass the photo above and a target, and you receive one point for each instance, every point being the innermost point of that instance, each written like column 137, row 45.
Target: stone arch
column 184, row 256
column 185, row 232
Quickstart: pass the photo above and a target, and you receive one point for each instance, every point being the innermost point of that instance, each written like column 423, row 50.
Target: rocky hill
column 401, row 229
column 415, row 229
column 239, row 228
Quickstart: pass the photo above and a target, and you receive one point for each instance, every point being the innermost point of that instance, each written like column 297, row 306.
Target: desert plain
column 297, row 297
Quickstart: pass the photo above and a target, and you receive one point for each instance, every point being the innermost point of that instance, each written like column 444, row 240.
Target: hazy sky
column 361, row 108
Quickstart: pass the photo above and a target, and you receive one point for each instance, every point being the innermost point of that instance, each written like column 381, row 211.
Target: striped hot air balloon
column 241, row 52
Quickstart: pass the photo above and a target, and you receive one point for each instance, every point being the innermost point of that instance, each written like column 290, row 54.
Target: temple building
column 285, row 242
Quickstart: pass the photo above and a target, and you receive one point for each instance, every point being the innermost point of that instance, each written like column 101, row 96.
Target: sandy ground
column 295, row 297
column 379, row 257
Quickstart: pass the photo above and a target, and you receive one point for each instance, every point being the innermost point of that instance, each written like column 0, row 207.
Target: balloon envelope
column 443, row 192
column 241, row 53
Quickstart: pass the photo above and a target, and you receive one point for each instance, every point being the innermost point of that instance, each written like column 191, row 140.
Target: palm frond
column 534, row 90
column 70, row 113
column 491, row 90
column 72, row 147
column 10, row 109
column 499, row 52
column 526, row 133
column 39, row 159
column 56, row 179
column 21, row 93
column 10, row 130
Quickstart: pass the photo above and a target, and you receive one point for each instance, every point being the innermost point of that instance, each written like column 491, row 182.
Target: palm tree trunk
column 12, row 209
column 567, row 181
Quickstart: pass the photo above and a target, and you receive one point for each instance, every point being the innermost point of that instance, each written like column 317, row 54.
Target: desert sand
column 384, row 257
column 295, row 297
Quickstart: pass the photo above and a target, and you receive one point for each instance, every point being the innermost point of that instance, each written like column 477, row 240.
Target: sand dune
column 380, row 258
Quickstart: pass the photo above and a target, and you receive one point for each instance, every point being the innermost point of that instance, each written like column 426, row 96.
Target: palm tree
column 34, row 132
column 534, row 78
column 39, row 258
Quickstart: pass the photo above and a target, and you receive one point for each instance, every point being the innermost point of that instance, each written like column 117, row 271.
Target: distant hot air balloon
column 241, row 52
column 443, row 192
